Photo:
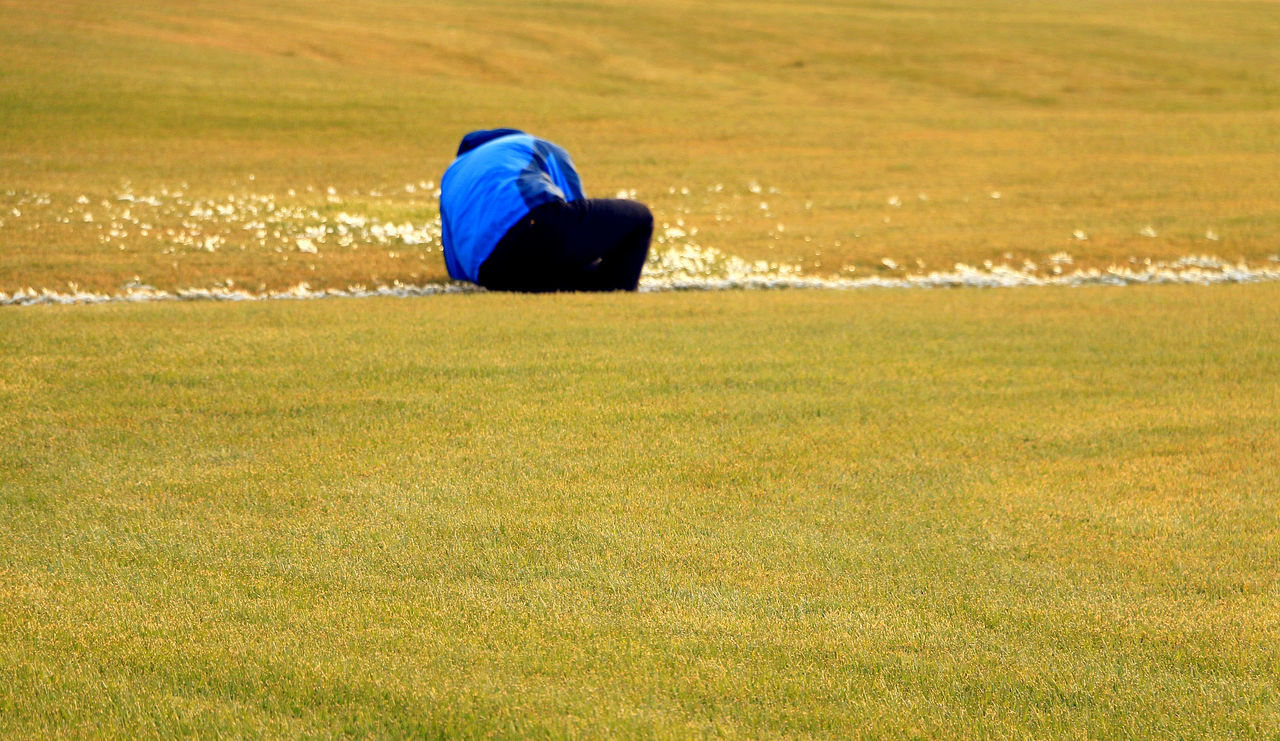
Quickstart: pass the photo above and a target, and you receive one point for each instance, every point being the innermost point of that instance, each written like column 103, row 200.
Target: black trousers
column 596, row 244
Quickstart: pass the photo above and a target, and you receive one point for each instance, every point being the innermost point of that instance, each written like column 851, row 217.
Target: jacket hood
column 476, row 138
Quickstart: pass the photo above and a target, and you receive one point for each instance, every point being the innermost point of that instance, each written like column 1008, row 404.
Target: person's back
column 515, row 218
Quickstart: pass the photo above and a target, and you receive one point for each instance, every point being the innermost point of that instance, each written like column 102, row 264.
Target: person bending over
column 515, row 219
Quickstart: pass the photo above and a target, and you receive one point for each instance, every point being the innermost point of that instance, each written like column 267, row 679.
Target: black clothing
column 592, row 244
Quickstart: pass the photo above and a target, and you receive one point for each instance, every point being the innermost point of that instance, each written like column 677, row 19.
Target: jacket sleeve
column 564, row 174
column 548, row 175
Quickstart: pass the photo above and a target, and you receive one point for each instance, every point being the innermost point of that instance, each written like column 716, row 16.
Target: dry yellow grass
column 799, row 514
column 872, row 130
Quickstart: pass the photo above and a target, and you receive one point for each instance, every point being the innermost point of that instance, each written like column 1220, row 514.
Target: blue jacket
column 499, row 176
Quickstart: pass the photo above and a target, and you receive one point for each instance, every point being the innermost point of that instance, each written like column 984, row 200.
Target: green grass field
column 1101, row 117
column 880, row 513
column 1014, row 513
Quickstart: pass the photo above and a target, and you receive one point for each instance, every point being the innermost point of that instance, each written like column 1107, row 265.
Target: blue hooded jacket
column 499, row 176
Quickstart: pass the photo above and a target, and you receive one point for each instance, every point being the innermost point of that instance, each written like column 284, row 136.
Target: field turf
column 949, row 513
column 1011, row 513
column 829, row 134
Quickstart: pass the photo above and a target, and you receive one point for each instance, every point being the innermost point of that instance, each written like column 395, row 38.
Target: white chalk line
column 709, row 270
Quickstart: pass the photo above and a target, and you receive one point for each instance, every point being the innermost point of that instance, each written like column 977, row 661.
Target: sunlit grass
column 947, row 513
column 966, row 513
column 882, row 129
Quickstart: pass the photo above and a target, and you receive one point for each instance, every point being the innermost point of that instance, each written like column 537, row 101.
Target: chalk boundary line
column 1187, row 271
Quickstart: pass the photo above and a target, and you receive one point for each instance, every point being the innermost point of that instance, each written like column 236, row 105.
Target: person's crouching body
column 515, row 219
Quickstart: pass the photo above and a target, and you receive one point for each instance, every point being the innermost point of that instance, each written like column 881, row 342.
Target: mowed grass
column 938, row 513
column 952, row 513
column 872, row 129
